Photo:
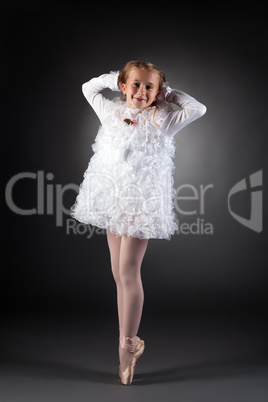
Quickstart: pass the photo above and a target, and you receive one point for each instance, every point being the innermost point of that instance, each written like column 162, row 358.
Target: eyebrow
column 150, row 83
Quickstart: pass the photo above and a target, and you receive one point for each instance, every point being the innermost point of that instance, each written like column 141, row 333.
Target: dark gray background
column 205, row 313
column 51, row 49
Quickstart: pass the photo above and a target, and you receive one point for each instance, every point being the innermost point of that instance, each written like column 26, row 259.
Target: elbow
column 88, row 91
column 88, row 86
column 202, row 109
column 84, row 88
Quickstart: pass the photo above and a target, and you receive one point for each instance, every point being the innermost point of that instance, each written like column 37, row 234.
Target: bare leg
column 114, row 244
column 132, row 251
column 126, row 255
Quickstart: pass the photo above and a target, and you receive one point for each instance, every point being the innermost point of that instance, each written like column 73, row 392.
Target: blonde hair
column 135, row 65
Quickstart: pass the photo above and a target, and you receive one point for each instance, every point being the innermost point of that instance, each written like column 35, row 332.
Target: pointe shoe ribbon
column 128, row 343
column 121, row 336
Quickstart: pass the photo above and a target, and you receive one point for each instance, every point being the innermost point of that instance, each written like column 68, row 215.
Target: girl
column 128, row 185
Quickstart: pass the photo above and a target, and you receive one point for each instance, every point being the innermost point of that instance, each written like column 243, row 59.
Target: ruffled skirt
column 128, row 185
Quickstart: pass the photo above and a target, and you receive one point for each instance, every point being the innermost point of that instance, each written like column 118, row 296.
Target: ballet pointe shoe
column 137, row 349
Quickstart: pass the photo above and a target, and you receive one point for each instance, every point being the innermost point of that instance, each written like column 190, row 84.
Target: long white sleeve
column 92, row 92
column 191, row 110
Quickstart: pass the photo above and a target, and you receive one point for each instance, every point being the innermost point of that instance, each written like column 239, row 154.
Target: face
column 141, row 88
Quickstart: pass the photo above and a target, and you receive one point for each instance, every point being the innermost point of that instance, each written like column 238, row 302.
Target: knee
column 129, row 274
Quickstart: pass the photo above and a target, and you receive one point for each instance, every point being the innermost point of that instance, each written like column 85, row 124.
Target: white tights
column 126, row 255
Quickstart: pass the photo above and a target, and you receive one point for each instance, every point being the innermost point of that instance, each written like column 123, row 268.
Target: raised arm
column 92, row 92
column 191, row 110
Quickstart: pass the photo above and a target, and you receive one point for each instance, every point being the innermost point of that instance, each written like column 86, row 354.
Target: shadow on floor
column 202, row 371
column 20, row 365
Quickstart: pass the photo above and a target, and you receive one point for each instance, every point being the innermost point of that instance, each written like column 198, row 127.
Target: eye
column 136, row 84
column 149, row 87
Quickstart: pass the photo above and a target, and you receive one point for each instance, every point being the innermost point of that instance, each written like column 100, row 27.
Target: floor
column 190, row 359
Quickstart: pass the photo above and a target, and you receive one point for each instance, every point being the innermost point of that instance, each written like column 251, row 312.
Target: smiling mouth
column 139, row 99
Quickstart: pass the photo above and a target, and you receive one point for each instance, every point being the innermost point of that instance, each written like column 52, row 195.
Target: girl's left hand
column 164, row 92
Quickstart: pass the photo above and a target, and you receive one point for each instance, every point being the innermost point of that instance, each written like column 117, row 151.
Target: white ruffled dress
column 128, row 185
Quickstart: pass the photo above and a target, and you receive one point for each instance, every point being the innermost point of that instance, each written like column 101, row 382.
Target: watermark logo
column 255, row 220
column 190, row 202
column 45, row 195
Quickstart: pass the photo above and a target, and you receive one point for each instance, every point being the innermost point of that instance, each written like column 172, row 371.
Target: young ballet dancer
column 128, row 185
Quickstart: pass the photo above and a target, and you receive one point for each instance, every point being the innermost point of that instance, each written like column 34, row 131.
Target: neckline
column 137, row 109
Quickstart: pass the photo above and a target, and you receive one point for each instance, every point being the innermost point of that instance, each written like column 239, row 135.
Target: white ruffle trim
column 128, row 185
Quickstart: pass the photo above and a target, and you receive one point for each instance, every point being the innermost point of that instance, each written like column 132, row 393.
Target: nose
column 141, row 89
